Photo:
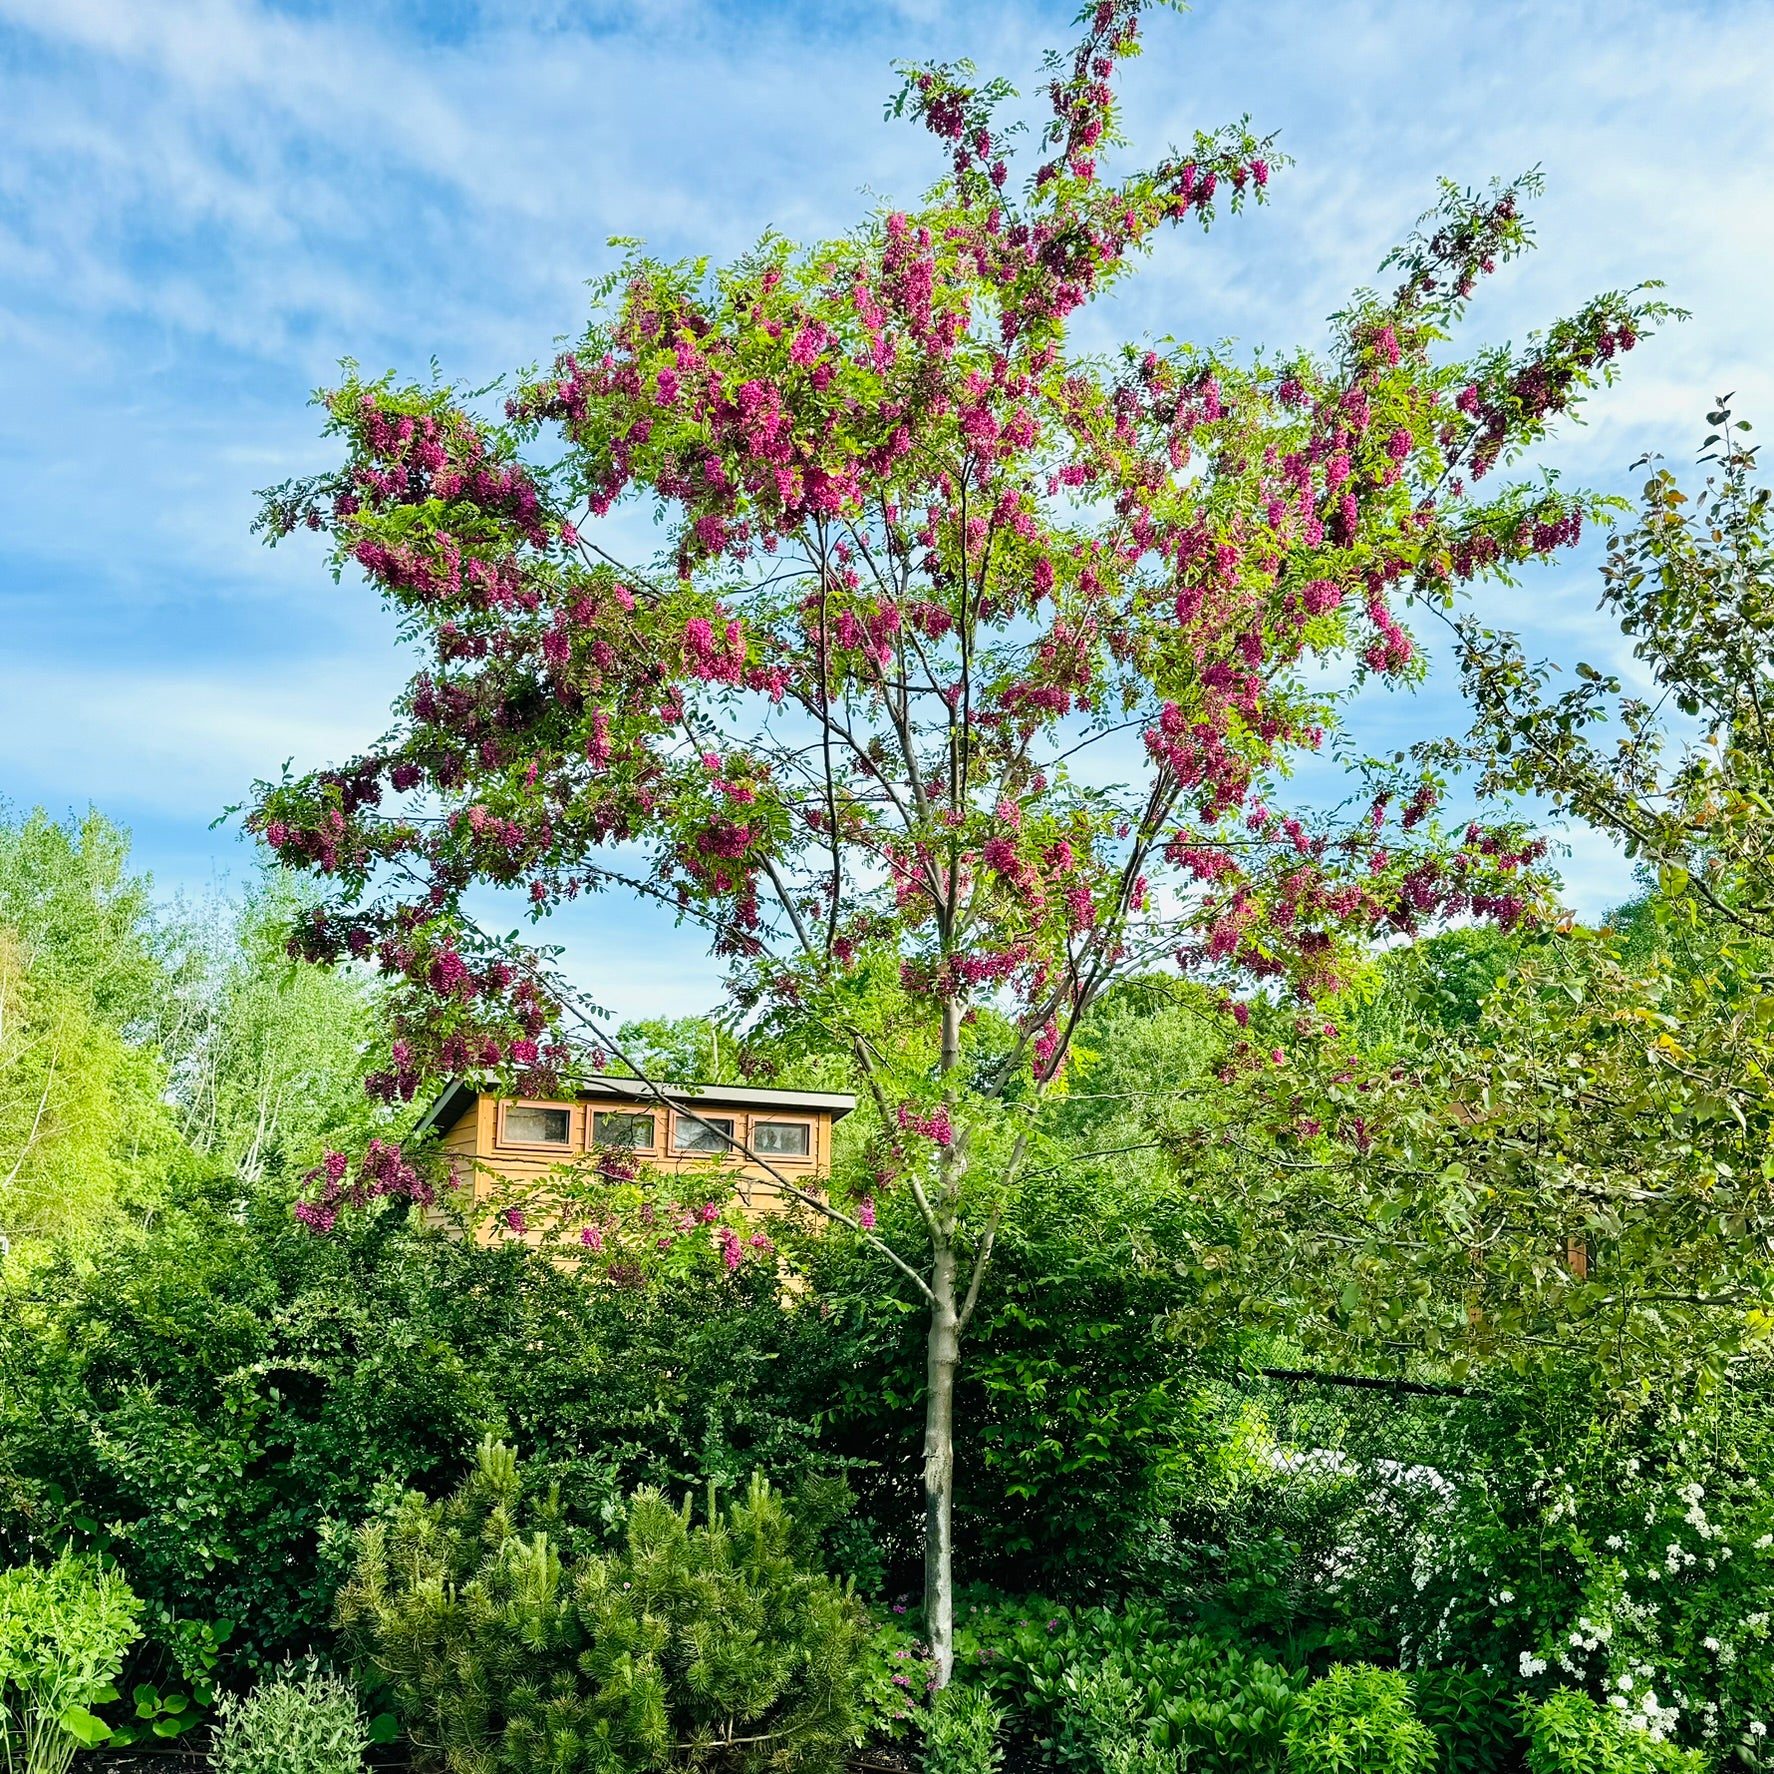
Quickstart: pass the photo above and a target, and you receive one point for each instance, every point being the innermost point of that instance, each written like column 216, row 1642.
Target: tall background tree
column 1575, row 1167
column 971, row 677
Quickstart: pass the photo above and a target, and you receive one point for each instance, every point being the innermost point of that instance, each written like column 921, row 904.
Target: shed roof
column 457, row 1096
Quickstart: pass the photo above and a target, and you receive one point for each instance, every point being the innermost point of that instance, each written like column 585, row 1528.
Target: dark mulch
column 178, row 1758
column 193, row 1758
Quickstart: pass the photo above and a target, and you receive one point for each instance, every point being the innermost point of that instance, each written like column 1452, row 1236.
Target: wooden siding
column 481, row 1156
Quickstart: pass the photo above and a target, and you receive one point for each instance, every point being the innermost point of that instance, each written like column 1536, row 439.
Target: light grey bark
column 943, row 1357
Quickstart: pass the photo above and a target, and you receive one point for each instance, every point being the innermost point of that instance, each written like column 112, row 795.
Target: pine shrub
column 513, row 1642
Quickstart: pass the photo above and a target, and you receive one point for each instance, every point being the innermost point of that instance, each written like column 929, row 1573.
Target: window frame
column 735, row 1135
column 810, row 1122
column 565, row 1147
column 593, row 1110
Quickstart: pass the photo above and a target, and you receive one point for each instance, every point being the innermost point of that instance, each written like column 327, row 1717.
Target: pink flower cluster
column 934, row 1125
column 382, row 1172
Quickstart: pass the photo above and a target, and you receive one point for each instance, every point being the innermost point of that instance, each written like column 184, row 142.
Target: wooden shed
column 488, row 1137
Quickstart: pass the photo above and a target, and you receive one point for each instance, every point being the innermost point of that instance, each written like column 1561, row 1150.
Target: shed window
column 782, row 1139
column 621, row 1127
column 526, row 1126
column 713, row 1133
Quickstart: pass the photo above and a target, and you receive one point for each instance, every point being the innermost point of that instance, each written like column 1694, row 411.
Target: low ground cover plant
column 299, row 1719
column 962, row 1730
column 1065, row 1676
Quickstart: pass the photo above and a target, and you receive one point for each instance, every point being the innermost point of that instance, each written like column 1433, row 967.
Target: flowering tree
column 972, row 673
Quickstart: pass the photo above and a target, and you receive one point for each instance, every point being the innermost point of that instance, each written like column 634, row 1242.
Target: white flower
column 1615, row 1542
column 1712, row 1644
column 1655, row 1720
column 1506, row 1595
column 1532, row 1665
column 1757, row 1728
column 1626, row 1684
column 1765, row 1542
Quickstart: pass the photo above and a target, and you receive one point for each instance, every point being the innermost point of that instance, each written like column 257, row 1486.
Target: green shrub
column 1473, row 1717
column 962, row 1734
column 1568, row 1733
column 64, row 1631
column 1226, row 1709
column 1358, row 1720
column 893, row 1676
column 512, row 1643
column 297, row 1721
column 202, row 1401
column 1116, row 1733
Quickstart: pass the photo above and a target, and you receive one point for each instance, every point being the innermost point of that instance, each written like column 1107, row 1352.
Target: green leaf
column 85, row 1727
column 384, row 1728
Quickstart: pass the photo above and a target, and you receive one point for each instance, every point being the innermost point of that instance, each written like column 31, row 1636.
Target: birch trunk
column 942, row 1359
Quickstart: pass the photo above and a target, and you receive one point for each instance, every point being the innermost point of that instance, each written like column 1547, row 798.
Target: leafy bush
column 206, row 1401
column 64, row 1630
column 893, row 1676
column 1358, row 1720
column 962, row 1734
column 511, row 1643
column 1473, row 1718
column 1077, row 1415
column 297, row 1721
column 1224, row 1708
column 1568, row 1733
column 1621, row 1550
column 1116, row 1733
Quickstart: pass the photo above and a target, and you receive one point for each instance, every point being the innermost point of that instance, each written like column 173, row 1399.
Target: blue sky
column 204, row 204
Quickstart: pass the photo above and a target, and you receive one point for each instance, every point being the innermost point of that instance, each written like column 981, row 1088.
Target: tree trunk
column 942, row 1358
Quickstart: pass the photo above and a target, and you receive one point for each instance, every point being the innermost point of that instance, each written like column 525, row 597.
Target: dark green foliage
column 701, row 1645
column 216, row 1401
column 1472, row 1716
column 1075, row 1405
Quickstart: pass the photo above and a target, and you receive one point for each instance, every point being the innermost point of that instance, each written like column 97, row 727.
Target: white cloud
column 182, row 743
